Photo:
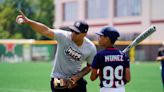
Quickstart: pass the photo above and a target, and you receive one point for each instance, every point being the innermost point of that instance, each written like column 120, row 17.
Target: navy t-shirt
column 161, row 53
column 111, row 63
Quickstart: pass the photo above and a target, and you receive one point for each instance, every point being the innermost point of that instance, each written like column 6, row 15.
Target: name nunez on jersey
column 73, row 53
column 112, row 58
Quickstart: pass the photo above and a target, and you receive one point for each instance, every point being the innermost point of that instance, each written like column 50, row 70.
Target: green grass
column 146, row 77
column 35, row 77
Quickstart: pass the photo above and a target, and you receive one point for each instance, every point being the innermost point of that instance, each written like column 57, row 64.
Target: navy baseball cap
column 80, row 27
column 110, row 32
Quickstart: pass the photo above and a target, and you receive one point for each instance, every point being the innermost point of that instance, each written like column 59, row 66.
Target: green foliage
column 39, row 10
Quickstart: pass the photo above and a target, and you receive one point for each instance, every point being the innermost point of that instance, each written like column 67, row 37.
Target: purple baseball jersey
column 111, row 63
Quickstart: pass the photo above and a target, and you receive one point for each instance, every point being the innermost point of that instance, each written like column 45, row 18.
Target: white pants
column 120, row 89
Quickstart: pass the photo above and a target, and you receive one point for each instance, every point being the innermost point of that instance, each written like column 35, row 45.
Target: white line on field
column 21, row 90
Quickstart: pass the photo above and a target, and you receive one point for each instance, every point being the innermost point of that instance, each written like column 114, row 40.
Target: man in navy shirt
column 111, row 65
column 160, row 57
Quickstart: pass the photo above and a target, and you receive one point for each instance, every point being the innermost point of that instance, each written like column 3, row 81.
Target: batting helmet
column 110, row 32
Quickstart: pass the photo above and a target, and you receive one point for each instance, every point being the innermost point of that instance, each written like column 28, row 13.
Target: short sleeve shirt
column 69, row 57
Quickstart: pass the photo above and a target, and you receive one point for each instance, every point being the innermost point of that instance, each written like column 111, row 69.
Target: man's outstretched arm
column 36, row 26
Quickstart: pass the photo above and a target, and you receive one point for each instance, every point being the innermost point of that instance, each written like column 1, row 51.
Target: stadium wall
column 31, row 50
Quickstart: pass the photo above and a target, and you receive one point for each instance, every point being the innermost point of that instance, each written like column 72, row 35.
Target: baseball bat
column 140, row 38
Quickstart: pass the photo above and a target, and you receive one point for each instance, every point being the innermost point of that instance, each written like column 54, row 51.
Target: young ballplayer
column 110, row 64
column 160, row 57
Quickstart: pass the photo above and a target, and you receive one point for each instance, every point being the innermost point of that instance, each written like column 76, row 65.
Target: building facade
column 130, row 17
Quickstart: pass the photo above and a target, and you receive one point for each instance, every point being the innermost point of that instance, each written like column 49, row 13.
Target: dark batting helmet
column 110, row 32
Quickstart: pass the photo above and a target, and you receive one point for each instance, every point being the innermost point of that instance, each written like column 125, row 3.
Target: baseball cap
column 80, row 27
column 110, row 32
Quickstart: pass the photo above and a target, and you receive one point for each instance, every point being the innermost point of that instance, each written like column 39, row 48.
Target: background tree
column 39, row 10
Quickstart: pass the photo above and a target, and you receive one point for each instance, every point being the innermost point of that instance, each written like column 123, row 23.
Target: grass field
column 35, row 77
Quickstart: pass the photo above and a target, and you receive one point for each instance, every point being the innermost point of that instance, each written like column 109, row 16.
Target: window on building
column 97, row 9
column 70, row 11
column 127, row 8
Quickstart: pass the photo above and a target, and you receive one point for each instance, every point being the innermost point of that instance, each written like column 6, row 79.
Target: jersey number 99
column 116, row 73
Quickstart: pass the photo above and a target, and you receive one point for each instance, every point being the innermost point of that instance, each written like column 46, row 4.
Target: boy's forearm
column 160, row 58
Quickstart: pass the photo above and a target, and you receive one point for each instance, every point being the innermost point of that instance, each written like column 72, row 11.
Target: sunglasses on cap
column 75, row 32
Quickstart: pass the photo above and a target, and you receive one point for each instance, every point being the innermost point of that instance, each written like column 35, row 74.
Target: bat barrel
column 140, row 38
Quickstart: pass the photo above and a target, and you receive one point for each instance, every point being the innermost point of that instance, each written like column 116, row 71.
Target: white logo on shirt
column 73, row 53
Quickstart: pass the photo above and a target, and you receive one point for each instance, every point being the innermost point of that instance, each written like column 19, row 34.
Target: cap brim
column 74, row 29
column 65, row 28
column 99, row 33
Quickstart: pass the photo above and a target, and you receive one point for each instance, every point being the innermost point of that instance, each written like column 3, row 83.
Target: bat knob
column 153, row 27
